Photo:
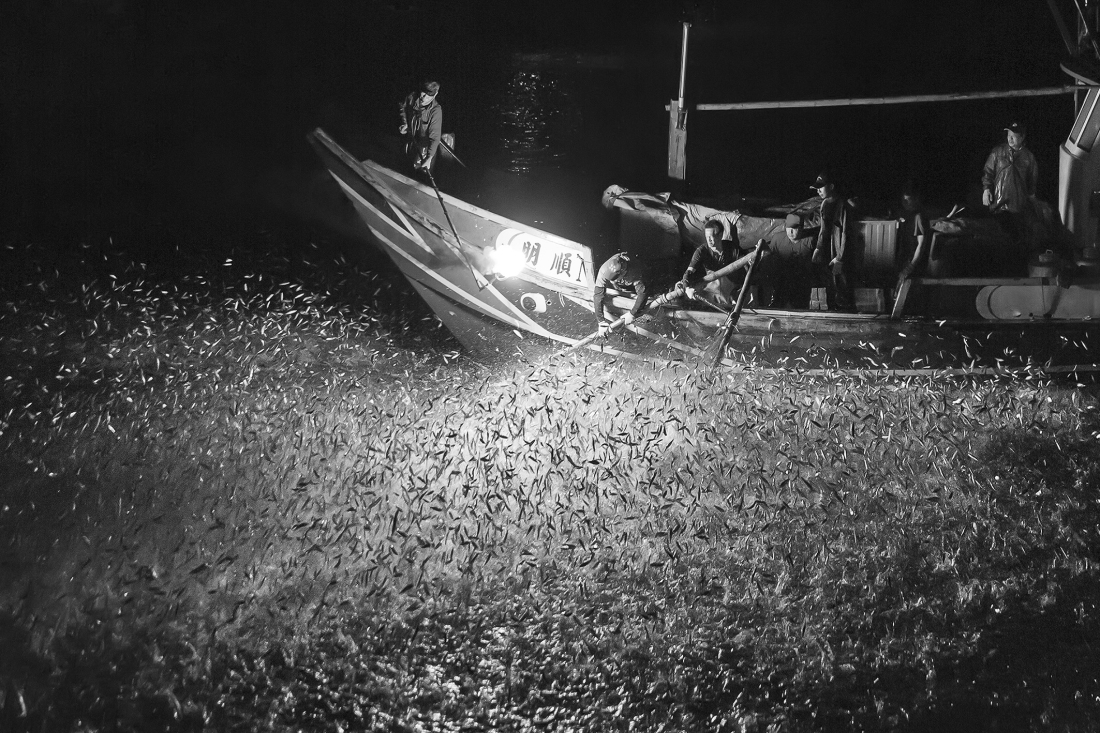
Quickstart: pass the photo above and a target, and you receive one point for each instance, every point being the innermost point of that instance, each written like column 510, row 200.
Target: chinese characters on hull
column 547, row 257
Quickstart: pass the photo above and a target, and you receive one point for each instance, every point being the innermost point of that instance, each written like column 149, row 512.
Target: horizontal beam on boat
column 910, row 99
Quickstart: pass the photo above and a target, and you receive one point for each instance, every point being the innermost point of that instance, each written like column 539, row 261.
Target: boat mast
column 677, row 120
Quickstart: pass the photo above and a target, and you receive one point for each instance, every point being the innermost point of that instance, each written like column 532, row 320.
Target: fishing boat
column 500, row 286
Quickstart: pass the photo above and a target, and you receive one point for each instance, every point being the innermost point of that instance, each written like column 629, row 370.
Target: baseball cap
column 1017, row 127
column 794, row 221
column 822, row 180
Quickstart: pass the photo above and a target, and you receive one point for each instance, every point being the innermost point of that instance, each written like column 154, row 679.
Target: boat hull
column 972, row 324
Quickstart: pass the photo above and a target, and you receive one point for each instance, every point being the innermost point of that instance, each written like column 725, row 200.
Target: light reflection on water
column 539, row 120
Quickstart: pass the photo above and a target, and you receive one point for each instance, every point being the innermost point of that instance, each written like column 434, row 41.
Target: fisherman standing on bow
column 422, row 125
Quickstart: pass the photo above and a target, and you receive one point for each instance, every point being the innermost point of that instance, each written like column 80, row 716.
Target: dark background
column 141, row 122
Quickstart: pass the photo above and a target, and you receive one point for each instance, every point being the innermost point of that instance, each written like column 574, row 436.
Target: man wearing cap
column 1010, row 173
column 831, row 250
column 422, row 124
column 621, row 272
column 792, row 247
column 1008, row 180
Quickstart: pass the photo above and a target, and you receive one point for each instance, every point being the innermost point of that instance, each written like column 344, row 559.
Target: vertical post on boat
column 677, row 120
column 683, row 71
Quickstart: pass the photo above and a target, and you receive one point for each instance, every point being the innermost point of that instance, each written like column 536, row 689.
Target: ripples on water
column 539, row 119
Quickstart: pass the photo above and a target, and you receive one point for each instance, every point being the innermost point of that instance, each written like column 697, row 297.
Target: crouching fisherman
column 622, row 272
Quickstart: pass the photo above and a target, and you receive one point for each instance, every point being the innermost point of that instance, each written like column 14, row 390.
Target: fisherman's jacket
column 619, row 272
column 704, row 259
column 1011, row 176
column 425, row 127
column 833, row 218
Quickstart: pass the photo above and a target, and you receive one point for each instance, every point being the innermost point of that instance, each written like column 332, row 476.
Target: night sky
column 118, row 115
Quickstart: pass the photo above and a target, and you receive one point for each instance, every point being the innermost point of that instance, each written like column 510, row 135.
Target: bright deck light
column 507, row 261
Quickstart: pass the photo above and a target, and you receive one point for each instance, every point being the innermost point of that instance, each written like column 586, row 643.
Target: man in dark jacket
column 621, row 272
column 422, row 124
column 714, row 254
column 832, row 246
column 1008, row 182
column 792, row 247
column 1010, row 173
column 914, row 233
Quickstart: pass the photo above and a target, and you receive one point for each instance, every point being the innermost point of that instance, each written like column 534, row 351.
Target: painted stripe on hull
column 409, row 233
column 525, row 322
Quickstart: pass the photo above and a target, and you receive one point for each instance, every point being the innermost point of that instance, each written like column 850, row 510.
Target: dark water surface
column 136, row 121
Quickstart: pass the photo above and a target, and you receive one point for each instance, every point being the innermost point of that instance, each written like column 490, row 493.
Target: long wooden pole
column 482, row 283
column 683, row 64
column 451, row 152
column 589, row 339
column 657, row 302
column 735, row 315
column 911, row 99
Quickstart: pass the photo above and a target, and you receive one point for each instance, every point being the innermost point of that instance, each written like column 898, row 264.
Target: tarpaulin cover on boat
column 687, row 220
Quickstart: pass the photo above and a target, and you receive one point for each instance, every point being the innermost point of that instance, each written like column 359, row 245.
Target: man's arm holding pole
column 738, row 264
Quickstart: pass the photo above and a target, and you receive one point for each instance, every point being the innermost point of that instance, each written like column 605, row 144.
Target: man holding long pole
column 713, row 256
column 620, row 272
column 422, row 124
